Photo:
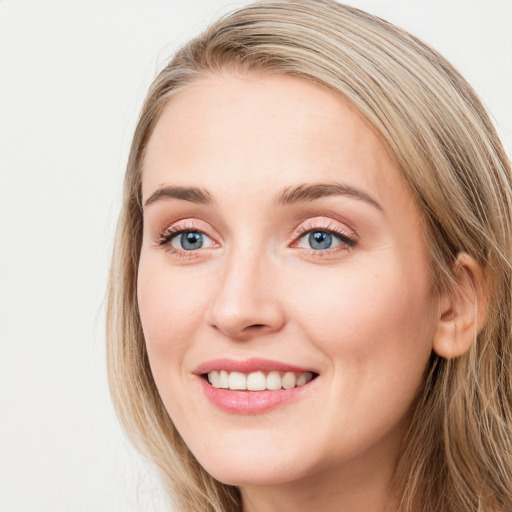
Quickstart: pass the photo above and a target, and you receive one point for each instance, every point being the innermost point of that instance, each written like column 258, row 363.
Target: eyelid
column 175, row 228
column 324, row 224
column 347, row 238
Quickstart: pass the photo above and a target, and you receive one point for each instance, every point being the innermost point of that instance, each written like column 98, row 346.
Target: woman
column 309, row 300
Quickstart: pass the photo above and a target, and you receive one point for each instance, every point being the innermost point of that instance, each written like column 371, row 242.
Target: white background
column 72, row 78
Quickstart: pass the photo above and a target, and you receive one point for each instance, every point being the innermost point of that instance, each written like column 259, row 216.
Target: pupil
column 191, row 240
column 320, row 240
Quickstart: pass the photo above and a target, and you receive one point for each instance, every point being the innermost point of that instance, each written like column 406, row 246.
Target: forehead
column 264, row 132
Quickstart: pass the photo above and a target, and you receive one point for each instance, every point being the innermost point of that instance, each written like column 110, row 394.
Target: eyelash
column 173, row 231
column 347, row 241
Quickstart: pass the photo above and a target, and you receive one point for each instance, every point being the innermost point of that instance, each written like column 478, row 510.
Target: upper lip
column 248, row 365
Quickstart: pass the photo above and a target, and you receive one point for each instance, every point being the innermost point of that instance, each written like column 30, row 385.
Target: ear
column 463, row 309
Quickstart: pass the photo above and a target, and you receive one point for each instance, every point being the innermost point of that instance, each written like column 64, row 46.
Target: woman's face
column 281, row 249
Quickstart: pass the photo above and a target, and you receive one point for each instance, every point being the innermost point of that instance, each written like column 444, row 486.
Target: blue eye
column 320, row 240
column 324, row 239
column 188, row 240
column 182, row 239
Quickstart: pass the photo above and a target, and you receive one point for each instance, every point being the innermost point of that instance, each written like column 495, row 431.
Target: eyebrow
column 192, row 194
column 290, row 195
column 310, row 192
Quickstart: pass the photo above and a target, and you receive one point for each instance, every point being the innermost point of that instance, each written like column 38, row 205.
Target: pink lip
column 249, row 402
column 247, row 366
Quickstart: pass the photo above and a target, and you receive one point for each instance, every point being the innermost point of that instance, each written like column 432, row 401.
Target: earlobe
column 463, row 309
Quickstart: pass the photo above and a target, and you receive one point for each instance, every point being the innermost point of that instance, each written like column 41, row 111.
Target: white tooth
column 214, row 379
column 304, row 378
column 301, row 380
column 224, row 379
column 256, row 381
column 237, row 380
column 273, row 381
column 289, row 380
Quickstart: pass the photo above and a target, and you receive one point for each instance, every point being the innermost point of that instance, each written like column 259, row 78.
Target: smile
column 253, row 386
column 258, row 381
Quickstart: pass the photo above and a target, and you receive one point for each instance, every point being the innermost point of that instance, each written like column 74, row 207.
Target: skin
column 363, row 316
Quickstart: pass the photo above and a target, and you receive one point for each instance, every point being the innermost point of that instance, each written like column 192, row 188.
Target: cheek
column 169, row 307
column 364, row 316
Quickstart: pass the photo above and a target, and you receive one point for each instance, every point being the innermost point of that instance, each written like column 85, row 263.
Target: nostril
column 256, row 327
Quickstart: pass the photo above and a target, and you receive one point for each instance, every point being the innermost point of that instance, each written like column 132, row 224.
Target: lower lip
column 249, row 402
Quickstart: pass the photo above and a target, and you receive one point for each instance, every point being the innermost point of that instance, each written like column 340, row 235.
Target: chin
column 245, row 477
column 258, row 471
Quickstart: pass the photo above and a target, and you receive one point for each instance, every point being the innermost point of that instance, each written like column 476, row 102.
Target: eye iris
column 191, row 240
column 320, row 240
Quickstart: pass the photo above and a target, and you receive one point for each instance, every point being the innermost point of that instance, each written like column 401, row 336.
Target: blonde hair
column 457, row 454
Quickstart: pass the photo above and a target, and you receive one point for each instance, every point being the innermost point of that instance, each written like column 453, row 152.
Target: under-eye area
column 259, row 380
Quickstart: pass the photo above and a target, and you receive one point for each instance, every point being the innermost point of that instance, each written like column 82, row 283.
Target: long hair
column 457, row 454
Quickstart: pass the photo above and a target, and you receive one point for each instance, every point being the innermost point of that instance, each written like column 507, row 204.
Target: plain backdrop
column 72, row 78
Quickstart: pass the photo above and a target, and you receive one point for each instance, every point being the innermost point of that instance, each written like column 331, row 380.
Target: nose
column 245, row 303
